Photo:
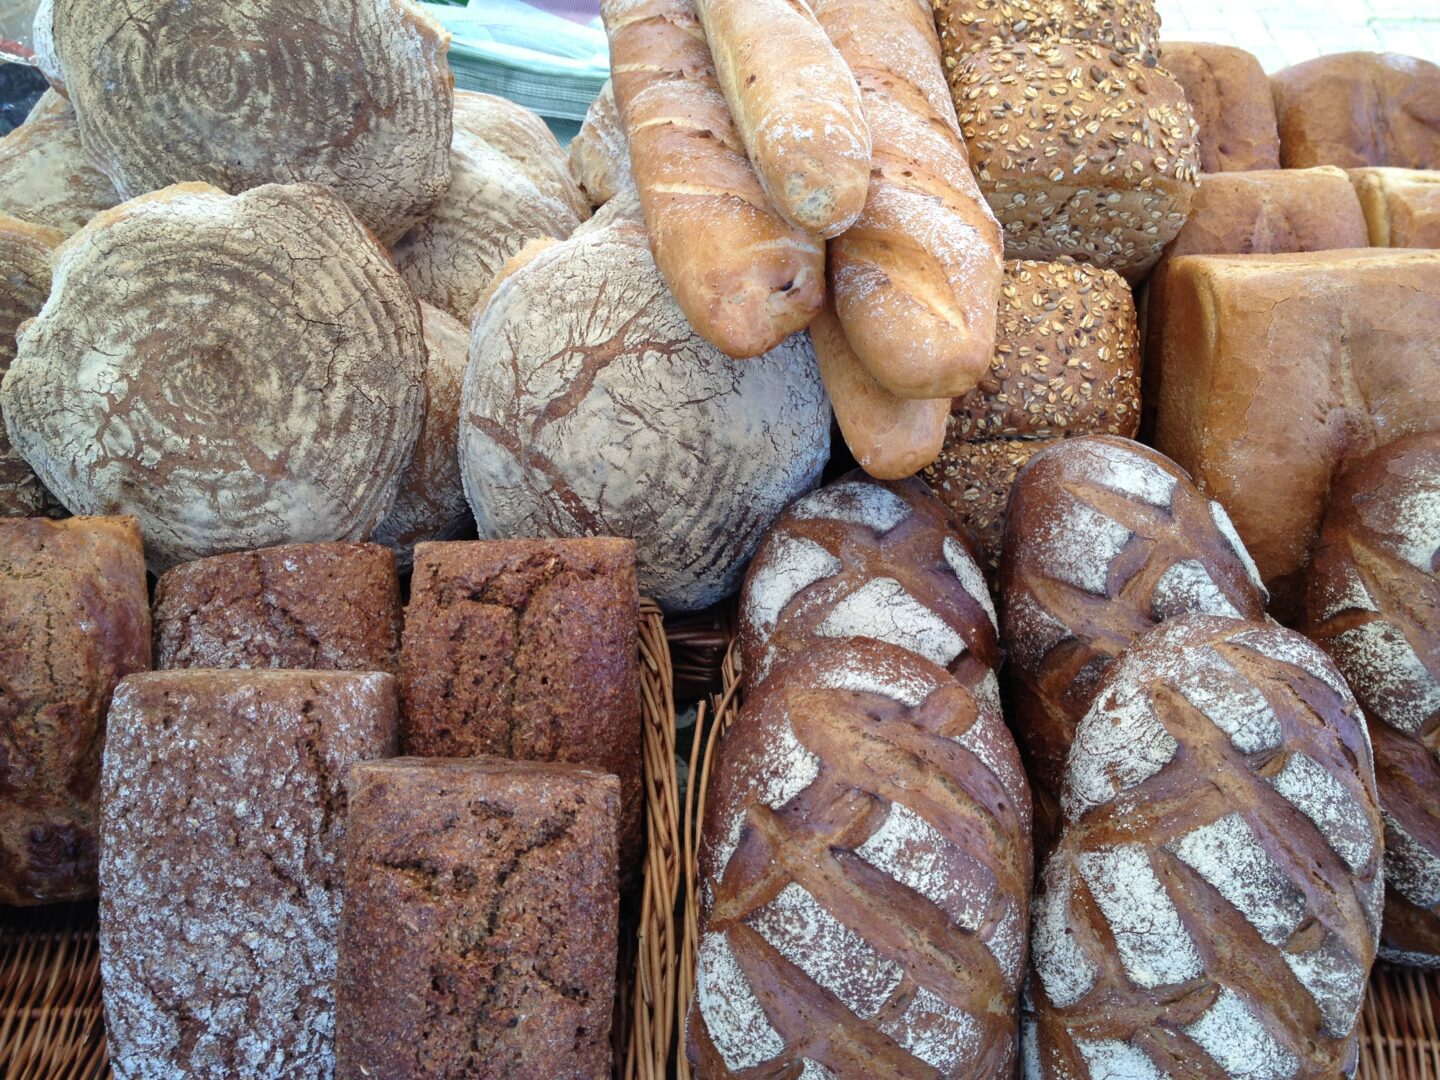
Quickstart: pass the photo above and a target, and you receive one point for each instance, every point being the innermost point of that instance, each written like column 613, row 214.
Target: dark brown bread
column 864, row 558
column 1105, row 538
column 74, row 619
column 326, row 607
column 865, row 875
column 528, row 649
column 480, row 929
column 1359, row 108
column 1212, row 908
column 1230, row 95
column 223, row 808
column 1128, row 26
column 1373, row 604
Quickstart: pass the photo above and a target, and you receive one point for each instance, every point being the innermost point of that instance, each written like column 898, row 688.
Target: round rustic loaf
column 1104, row 539
column 864, row 558
column 591, row 408
column 600, row 153
column 46, row 177
column 1213, row 905
column 1373, row 603
column 235, row 371
column 525, row 139
column 865, row 876
column 354, row 94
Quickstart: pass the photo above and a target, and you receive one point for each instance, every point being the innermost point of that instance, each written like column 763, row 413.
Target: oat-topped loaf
column 1127, row 26
column 1081, row 151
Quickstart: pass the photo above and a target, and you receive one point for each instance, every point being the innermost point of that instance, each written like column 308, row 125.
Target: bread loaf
column 25, row 252
column 1402, row 206
column 864, row 875
column 48, row 105
column 502, row 877
column 966, row 26
column 1104, row 539
column 42, row 40
column 1100, row 164
column 46, row 177
column 599, row 156
column 1373, row 603
column 611, row 418
column 235, row 371
column 223, row 811
column 76, row 620
column 916, row 277
column 1339, row 347
column 1213, row 905
column 890, row 437
column 524, row 138
column 743, row 277
column 1359, row 108
column 355, row 95
column 1230, row 95
column 326, row 607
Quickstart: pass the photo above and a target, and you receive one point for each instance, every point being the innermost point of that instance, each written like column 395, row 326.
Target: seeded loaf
column 864, row 875
column 281, row 401
column 223, row 811
column 1359, row 109
column 1402, row 206
column 355, row 95
column 1230, row 95
column 1081, row 152
column 480, row 928
column 326, row 607
column 46, row 177
column 1372, row 602
column 25, row 253
column 1213, row 905
column 599, row 155
column 523, row 137
column 74, row 620
column 966, row 26
column 1340, row 346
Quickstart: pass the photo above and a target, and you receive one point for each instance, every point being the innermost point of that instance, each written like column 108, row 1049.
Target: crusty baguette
column 890, row 437
column 742, row 276
column 797, row 107
column 917, row 278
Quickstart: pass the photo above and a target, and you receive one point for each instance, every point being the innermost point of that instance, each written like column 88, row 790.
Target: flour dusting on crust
column 1233, row 1035
column 877, row 508
column 1227, row 530
column 1411, row 869
column 1065, row 971
column 1383, row 667
column 935, row 1032
column 1155, row 947
column 1188, row 587
column 792, row 564
column 1315, row 792
column 971, row 580
column 1119, row 744
column 1228, row 856
column 883, row 610
column 1080, row 544
column 733, row 1015
column 1111, row 1059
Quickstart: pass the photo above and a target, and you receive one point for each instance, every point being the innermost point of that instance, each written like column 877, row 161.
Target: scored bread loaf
column 599, row 155
column 915, row 279
column 1373, row 603
column 744, row 278
column 1081, row 152
column 1402, row 206
column 1104, row 539
column 25, row 254
column 46, row 177
column 355, row 95
column 524, row 138
column 1230, row 95
column 864, row 559
column 797, row 108
column 1213, row 904
column 966, row 26
column 864, row 875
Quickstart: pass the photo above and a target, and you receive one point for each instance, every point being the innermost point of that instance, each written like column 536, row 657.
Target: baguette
column 744, row 279
column 916, row 279
column 797, row 107
column 890, row 437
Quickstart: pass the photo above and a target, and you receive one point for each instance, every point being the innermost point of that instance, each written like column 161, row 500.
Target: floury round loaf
column 235, row 371
column 591, row 408
column 1214, row 902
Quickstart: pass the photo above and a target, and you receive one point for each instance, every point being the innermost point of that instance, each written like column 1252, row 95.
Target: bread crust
column 1402, row 206
column 1230, row 95
column 25, row 254
column 599, row 155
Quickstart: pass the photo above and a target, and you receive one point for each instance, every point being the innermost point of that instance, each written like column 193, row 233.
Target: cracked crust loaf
column 528, row 649
column 480, row 930
column 1372, row 602
column 223, row 811
column 611, row 417
column 234, row 371
column 46, row 177
column 525, row 138
column 74, row 620
column 325, row 607
column 1213, row 906
column 1230, row 95
column 1402, row 206
column 353, row 94
column 25, row 254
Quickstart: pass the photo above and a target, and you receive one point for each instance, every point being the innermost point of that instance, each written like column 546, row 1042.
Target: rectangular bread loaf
column 1277, row 367
column 480, row 930
column 1402, row 206
column 1230, row 94
column 223, row 807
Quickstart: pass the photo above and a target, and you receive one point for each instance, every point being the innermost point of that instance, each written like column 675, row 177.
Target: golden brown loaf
column 1081, row 152
column 1279, row 366
column 1359, row 108
column 1213, row 905
column 915, row 279
column 1230, row 95
column 46, row 177
column 1402, row 206
column 966, row 26
column 796, row 106
column 599, row 155
column 864, row 875
column 25, row 253
column 1373, row 603
column 524, row 138
column 744, row 278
